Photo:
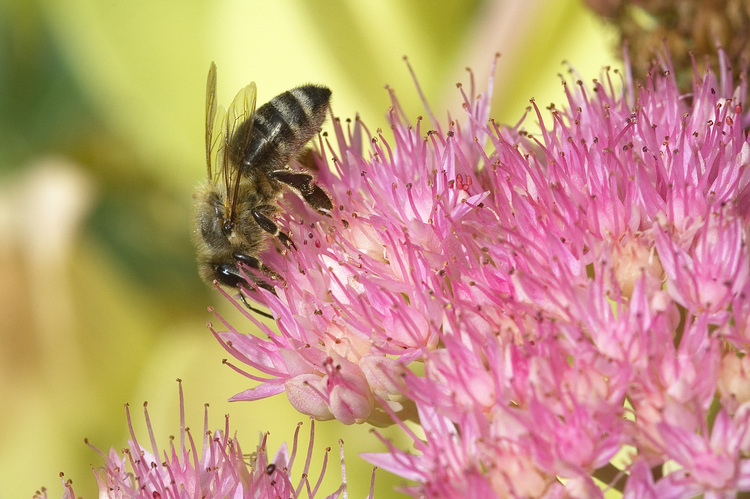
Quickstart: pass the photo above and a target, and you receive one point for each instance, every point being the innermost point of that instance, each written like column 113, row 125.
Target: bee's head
column 222, row 225
column 213, row 228
column 220, row 233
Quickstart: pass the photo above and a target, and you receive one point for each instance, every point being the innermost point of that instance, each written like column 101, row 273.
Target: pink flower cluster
column 551, row 308
column 220, row 469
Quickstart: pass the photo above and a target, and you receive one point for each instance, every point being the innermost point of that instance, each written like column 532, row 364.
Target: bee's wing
column 237, row 133
column 210, row 115
column 240, row 121
column 218, row 153
column 216, row 126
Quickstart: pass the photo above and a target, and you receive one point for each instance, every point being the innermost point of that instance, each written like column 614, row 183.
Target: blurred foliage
column 44, row 110
column 141, row 225
column 101, row 144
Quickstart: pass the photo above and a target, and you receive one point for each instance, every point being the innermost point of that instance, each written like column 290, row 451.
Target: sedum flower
column 354, row 304
column 215, row 468
column 557, row 310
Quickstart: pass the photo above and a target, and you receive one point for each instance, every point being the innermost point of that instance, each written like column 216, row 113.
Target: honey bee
column 247, row 156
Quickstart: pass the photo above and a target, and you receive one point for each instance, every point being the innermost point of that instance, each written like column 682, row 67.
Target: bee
column 247, row 156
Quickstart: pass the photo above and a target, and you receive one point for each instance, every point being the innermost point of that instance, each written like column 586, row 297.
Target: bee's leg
column 229, row 275
column 248, row 260
column 269, row 226
column 254, row 263
column 314, row 195
column 253, row 309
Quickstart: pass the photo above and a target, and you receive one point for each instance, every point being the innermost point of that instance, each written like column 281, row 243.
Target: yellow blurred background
column 101, row 144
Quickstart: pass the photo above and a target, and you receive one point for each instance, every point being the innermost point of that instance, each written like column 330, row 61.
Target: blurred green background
column 101, row 145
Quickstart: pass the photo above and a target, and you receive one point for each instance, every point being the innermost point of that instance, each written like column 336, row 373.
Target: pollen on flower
column 734, row 380
column 634, row 261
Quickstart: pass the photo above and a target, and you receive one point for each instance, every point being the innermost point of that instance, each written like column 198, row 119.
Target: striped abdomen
column 283, row 126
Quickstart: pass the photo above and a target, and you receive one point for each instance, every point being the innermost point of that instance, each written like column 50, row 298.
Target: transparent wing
column 240, row 121
column 218, row 153
column 216, row 131
column 210, row 115
column 237, row 133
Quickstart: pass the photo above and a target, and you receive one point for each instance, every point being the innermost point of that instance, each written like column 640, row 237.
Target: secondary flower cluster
column 220, row 469
column 579, row 298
